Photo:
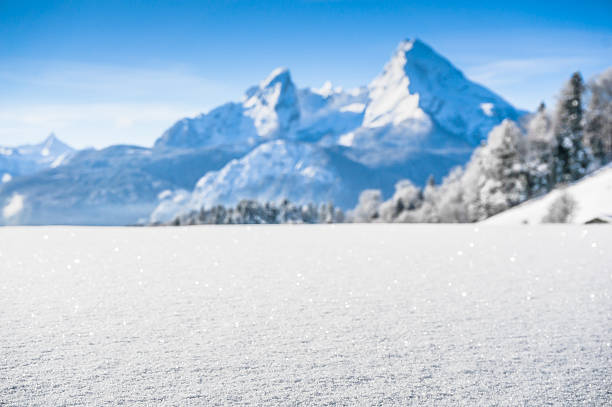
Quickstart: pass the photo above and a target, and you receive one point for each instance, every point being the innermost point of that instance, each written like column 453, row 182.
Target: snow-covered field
column 308, row 315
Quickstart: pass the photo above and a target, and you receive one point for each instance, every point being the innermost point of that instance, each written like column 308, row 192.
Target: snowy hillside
column 375, row 315
column 28, row 159
column 275, row 169
column 593, row 196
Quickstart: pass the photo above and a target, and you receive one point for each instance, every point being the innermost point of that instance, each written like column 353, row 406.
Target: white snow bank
column 593, row 195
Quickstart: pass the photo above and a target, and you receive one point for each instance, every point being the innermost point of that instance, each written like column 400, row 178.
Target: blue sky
column 99, row 73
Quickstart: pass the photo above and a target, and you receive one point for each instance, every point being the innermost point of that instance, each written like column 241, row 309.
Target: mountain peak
column 406, row 45
column 416, row 56
column 418, row 85
column 279, row 75
column 273, row 105
column 51, row 138
column 53, row 145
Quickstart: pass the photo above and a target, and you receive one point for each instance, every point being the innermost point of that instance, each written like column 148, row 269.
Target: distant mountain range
column 420, row 116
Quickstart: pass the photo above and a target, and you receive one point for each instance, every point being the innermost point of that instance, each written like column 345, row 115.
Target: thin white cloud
column 112, row 82
column 516, row 71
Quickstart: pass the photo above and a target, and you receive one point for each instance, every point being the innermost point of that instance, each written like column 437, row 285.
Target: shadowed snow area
column 313, row 315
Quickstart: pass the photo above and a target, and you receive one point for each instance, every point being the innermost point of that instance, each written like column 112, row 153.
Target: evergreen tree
column 598, row 131
column 431, row 181
column 494, row 179
column 252, row 212
column 571, row 157
column 402, row 205
column 428, row 212
column 539, row 152
column 368, row 206
column 561, row 210
column 450, row 199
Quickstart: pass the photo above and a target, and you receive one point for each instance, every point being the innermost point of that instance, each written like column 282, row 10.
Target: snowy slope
column 593, row 195
column 329, row 112
column 374, row 315
column 293, row 170
column 28, row 159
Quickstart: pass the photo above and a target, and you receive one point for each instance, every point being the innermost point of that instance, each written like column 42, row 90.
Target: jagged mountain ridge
column 419, row 106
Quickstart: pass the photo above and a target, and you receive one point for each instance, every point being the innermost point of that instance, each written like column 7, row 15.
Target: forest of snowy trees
column 253, row 212
column 518, row 161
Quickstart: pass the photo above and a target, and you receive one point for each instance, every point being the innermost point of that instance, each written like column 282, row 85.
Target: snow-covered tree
column 253, row 212
column 367, row 207
column 428, row 212
column 561, row 210
column 538, row 151
column 572, row 158
column 406, row 199
column 449, row 200
column 329, row 214
column 494, row 179
column 598, row 131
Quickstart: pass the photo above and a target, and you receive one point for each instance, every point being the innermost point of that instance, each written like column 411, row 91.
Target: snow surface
column 306, row 315
column 593, row 195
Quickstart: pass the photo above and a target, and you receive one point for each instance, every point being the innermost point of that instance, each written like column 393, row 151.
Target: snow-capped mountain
column 592, row 196
column 268, row 111
column 30, row 158
column 419, row 83
column 420, row 109
column 420, row 116
column 421, row 101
